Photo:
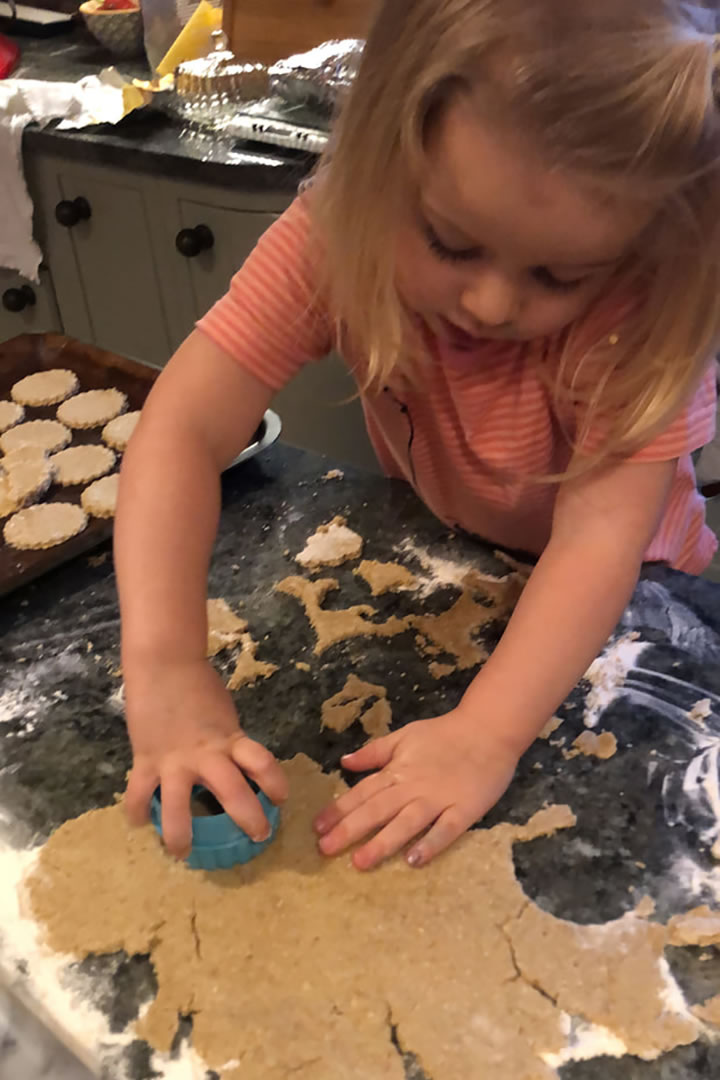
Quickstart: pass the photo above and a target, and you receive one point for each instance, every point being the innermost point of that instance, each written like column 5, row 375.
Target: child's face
column 500, row 246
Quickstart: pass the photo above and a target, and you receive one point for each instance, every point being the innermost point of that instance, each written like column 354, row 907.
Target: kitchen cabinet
column 137, row 258
column 26, row 307
column 98, row 241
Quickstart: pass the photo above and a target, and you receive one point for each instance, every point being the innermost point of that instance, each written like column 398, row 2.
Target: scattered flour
column 441, row 572
column 49, row 982
column 607, row 674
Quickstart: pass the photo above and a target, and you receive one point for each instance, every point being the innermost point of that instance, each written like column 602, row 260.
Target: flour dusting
column 25, row 695
column 441, row 573
column 48, row 979
column 608, row 673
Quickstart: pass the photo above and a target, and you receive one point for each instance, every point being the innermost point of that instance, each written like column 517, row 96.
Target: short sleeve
column 692, row 429
column 273, row 321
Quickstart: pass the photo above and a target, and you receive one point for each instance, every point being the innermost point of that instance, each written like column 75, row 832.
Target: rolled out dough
column 92, row 408
column 44, row 526
column 701, row 926
column 298, row 965
column 45, row 387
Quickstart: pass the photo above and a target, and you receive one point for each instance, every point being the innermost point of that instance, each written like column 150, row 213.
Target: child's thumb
column 373, row 755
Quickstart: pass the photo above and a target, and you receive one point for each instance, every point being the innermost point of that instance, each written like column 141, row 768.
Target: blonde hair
column 618, row 91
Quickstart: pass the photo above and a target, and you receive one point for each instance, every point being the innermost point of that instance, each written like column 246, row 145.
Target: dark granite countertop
column 148, row 140
column 64, row 750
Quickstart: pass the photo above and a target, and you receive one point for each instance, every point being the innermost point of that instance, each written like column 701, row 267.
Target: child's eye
column 543, row 276
column 444, row 252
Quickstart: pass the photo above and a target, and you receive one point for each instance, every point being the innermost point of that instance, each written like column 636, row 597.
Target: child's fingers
column 141, row 784
column 176, row 815
column 404, row 827
column 449, row 826
column 365, row 819
column 331, row 816
column 261, row 766
column 374, row 755
column 228, row 785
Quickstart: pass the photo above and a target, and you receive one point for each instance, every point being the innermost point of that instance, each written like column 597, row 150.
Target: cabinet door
column 320, row 411
column 107, row 283
column 234, row 234
column 27, row 308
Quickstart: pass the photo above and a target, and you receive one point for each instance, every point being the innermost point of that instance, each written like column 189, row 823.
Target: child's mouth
column 456, row 336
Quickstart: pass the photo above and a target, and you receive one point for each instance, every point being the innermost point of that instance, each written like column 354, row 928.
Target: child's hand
column 441, row 775
column 184, row 731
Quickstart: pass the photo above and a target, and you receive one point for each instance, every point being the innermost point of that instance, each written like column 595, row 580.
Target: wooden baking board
column 96, row 370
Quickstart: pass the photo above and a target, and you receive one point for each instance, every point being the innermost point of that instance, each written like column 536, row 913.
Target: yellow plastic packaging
column 195, row 39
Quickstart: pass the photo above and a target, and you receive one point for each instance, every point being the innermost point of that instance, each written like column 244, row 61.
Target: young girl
column 515, row 243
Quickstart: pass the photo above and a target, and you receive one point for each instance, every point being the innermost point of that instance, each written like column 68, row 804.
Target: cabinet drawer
column 223, row 240
column 26, row 308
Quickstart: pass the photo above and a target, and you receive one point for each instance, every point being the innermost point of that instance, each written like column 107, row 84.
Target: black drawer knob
column 19, row 299
column 69, row 212
column 190, row 242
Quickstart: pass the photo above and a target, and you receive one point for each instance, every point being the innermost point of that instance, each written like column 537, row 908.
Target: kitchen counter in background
column 147, row 140
column 642, row 828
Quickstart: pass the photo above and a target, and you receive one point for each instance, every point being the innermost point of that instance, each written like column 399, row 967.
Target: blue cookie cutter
column 217, row 842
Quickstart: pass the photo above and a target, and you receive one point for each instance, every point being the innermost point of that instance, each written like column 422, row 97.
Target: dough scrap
column 481, row 602
column 45, row 387
column 100, row 498
column 332, row 627
column 49, row 435
column 701, row 926
column 225, row 628
column 344, row 708
column 700, row 711
column 454, row 631
column 247, row 669
column 468, row 972
column 44, row 526
column 80, row 464
column 709, row 1012
column 330, row 545
column 385, row 577
column 92, row 408
column 602, row 745
column 440, row 671
column 10, row 414
column 118, row 431
column 551, row 727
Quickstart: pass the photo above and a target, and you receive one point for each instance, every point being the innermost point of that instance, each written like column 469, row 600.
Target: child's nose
column 490, row 298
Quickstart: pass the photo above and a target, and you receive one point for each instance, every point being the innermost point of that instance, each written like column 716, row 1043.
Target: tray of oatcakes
column 67, row 411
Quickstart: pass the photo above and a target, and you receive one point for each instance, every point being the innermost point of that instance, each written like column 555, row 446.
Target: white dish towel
column 92, row 100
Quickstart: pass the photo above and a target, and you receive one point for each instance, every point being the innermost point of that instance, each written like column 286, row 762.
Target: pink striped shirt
column 470, row 436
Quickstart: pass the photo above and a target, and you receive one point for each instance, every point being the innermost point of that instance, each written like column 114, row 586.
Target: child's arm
column 182, row 722
column 447, row 772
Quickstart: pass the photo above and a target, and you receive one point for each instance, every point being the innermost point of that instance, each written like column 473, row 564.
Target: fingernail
column 346, row 756
column 260, row 838
column 415, row 858
column 322, row 827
